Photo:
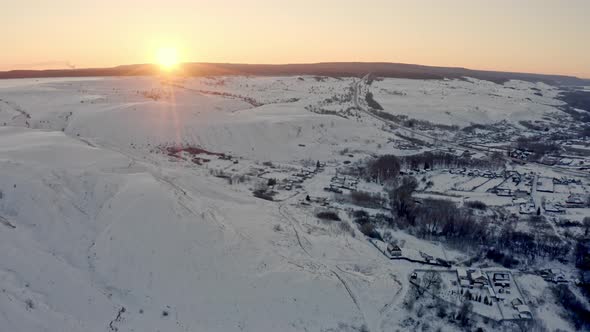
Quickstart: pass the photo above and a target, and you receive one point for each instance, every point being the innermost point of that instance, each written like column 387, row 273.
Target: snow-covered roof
column 478, row 276
column 461, row 273
column 523, row 308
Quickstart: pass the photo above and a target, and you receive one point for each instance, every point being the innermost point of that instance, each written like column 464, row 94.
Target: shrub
column 372, row 102
column 328, row 215
column 345, row 227
column 537, row 146
column 369, row 230
column 263, row 194
column 384, row 168
column 360, row 214
column 440, row 159
column 441, row 311
column 366, row 199
column 502, row 259
column 479, row 205
column 575, row 309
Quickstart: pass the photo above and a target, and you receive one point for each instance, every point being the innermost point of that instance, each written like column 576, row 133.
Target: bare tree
column 464, row 315
column 431, row 282
column 401, row 198
column 586, row 223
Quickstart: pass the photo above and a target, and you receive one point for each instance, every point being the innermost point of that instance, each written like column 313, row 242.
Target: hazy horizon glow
column 541, row 36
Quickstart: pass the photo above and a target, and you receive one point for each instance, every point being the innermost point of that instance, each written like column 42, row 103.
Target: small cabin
column 394, row 250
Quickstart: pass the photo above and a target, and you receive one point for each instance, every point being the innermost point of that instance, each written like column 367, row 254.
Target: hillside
column 193, row 203
column 335, row 69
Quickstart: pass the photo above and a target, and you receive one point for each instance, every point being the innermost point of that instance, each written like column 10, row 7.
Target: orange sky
column 544, row 36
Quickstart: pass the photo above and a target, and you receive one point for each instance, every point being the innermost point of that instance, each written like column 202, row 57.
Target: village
column 478, row 170
column 493, row 293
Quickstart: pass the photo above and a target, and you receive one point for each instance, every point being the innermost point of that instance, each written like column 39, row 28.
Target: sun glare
column 167, row 58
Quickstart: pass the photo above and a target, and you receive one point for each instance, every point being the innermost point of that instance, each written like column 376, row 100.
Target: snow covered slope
column 101, row 231
column 466, row 102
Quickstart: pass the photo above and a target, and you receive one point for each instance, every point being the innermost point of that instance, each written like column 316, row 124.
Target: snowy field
column 102, row 230
column 465, row 102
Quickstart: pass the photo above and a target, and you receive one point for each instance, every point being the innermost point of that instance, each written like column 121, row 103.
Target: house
column 554, row 208
column 333, row 189
column 575, row 201
column 524, row 312
column 518, row 201
column 516, row 302
column 528, row 208
column 522, row 192
column 514, row 175
column 546, row 274
column 394, row 250
column 501, row 279
column 478, row 278
column 559, row 279
column 461, row 273
column 545, row 185
column 553, row 275
column 504, row 192
column 462, row 277
column 549, row 160
column 426, row 256
column 525, row 316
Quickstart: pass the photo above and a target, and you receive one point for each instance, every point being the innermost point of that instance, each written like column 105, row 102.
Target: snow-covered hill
column 102, row 231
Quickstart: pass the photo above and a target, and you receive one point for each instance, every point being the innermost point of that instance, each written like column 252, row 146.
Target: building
column 504, row 192
column 554, row 208
column 514, row 175
column 501, row 279
column 426, row 257
column 545, row 185
column 516, row 302
column 575, row 201
column 554, row 275
column 559, row 279
column 524, row 312
column 522, row 192
column 463, row 277
column 478, row 279
column 394, row 250
column 528, row 208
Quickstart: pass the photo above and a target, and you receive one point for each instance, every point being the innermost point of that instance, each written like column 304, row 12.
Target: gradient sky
column 544, row 36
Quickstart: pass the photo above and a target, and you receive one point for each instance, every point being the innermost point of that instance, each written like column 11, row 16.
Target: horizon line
column 180, row 64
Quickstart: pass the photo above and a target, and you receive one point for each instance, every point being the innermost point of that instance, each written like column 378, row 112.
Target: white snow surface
column 94, row 220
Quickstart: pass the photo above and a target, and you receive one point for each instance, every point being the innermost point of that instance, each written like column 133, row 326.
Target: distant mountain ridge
column 337, row 69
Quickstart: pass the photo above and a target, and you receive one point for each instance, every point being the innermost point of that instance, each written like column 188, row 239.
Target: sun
column 167, row 57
